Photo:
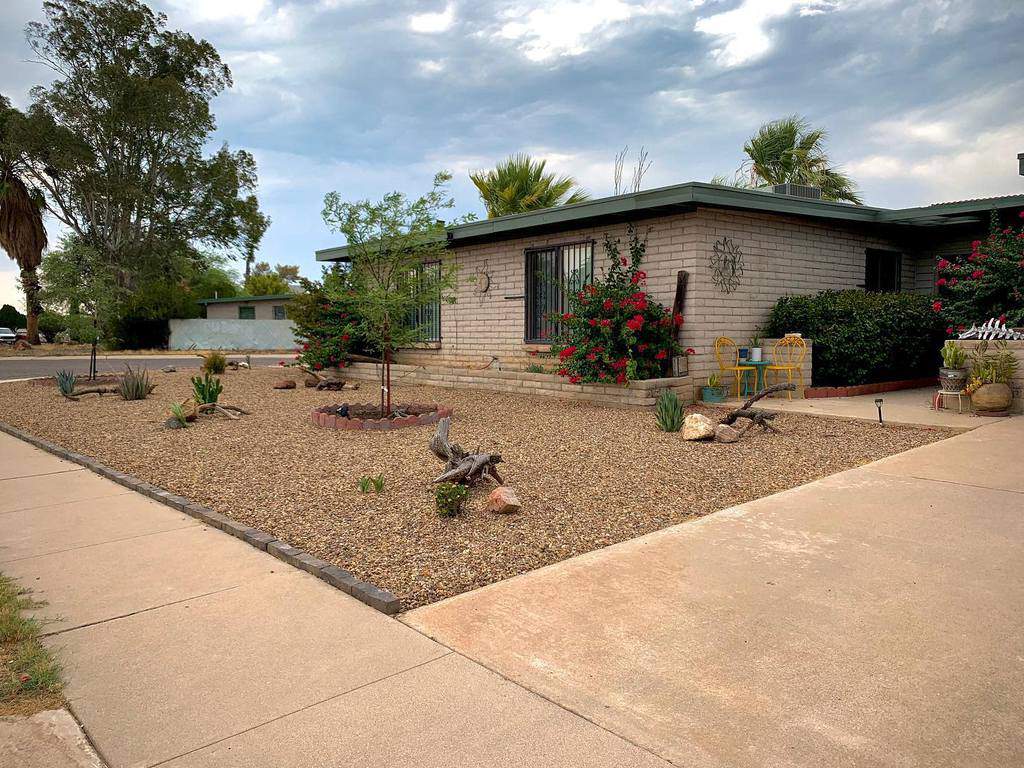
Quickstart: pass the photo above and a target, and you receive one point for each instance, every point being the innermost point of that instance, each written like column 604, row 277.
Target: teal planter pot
column 713, row 394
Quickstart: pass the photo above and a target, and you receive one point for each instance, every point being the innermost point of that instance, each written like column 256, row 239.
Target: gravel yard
column 587, row 476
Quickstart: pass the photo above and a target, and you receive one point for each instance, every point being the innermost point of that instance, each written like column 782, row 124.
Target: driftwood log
column 756, row 416
column 101, row 390
column 460, row 465
column 194, row 410
column 330, row 382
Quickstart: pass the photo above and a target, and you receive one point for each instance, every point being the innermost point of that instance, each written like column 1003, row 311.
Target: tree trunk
column 30, row 284
column 387, row 385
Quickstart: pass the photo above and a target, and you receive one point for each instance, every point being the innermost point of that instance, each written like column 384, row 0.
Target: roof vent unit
column 1020, row 160
column 798, row 190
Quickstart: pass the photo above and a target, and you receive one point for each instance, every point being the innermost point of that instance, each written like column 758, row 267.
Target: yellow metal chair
column 788, row 358
column 728, row 356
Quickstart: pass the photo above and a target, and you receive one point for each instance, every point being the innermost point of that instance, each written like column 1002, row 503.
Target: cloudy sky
column 923, row 100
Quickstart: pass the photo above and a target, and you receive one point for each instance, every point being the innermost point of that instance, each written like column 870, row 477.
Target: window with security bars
column 883, row 270
column 551, row 275
column 426, row 318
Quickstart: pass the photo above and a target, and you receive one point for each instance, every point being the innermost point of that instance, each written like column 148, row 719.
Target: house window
column 551, row 275
column 882, row 270
column 426, row 318
column 247, row 313
column 279, row 313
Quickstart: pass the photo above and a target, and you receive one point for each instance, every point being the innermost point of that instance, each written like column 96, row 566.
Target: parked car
column 7, row 336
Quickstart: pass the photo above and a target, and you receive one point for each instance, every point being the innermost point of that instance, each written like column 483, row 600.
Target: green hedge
column 863, row 338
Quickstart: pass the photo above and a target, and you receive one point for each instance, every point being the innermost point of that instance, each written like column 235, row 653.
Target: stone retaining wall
column 639, row 394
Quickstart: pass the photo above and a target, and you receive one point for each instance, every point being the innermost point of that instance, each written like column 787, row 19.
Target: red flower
column 960, row 327
column 563, row 371
column 642, row 347
column 532, row 353
column 591, row 357
column 1002, row 318
column 620, row 364
column 978, row 274
column 943, row 264
column 677, row 319
column 575, row 379
column 592, row 321
column 662, row 354
column 1021, row 214
column 605, row 323
column 608, row 305
column 345, row 337
column 638, row 277
column 937, row 306
column 972, row 257
column 567, row 352
column 953, row 281
column 940, row 282
column 635, row 323
column 949, row 331
column 591, row 288
column 602, row 375
column 305, row 346
column 317, row 366
column 621, row 378
column 567, row 316
column 623, row 261
column 691, row 351
column 975, row 245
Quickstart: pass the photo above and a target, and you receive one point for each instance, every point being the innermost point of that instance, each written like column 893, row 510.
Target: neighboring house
column 238, row 323
column 762, row 245
column 272, row 307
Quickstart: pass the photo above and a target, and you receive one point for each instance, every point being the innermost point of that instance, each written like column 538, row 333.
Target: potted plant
column 755, row 346
column 953, row 373
column 713, row 392
column 991, row 374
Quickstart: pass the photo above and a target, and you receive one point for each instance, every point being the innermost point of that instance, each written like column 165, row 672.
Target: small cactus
column 669, row 412
column 206, row 389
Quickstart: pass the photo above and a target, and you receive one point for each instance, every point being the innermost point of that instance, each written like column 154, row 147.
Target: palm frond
column 520, row 184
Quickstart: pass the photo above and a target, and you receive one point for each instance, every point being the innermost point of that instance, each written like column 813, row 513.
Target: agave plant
column 135, row 385
column 65, row 382
column 669, row 412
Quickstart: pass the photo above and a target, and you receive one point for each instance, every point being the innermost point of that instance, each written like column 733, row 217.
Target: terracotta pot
column 952, row 379
column 992, row 397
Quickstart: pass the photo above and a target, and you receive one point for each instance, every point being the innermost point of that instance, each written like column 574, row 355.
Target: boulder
column 22, row 346
column 697, row 426
column 311, row 382
column 284, row 384
column 726, row 434
column 168, row 369
column 503, row 501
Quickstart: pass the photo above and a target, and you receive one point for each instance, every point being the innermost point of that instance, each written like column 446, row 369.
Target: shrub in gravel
column 449, row 498
column 65, row 382
column 669, row 412
column 214, row 362
column 135, row 385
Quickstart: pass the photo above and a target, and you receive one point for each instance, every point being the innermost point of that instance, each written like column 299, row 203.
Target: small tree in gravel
column 395, row 247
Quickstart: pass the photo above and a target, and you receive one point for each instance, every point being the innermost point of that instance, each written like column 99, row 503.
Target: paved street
column 31, row 367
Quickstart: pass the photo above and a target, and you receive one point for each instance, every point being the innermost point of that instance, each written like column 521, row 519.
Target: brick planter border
column 870, row 389
column 326, row 417
column 381, row 599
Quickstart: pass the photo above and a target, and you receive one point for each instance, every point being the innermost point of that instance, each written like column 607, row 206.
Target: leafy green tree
column 264, row 281
column 789, row 150
column 520, row 184
column 22, row 233
column 116, row 141
column 396, row 247
column 10, row 317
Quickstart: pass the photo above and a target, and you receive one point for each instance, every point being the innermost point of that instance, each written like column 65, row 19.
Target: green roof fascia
column 983, row 205
column 227, row 299
column 340, row 252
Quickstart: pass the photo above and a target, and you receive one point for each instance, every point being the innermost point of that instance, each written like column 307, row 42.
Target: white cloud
column 428, row 67
column 10, row 289
column 431, row 23
column 917, row 128
column 247, row 11
column 743, row 34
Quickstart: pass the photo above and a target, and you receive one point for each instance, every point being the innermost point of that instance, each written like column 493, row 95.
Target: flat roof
column 684, row 197
column 227, row 299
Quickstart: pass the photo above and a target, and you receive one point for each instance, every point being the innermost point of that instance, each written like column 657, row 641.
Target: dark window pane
column 882, row 270
column 551, row 273
column 279, row 313
column 247, row 313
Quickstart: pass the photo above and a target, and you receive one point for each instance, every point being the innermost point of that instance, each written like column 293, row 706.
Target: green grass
column 30, row 679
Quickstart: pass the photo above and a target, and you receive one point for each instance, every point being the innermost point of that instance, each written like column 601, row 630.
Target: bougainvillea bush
column 987, row 283
column 325, row 325
column 614, row 331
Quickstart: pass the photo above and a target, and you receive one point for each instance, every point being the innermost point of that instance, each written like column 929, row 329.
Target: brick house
column 785, row 243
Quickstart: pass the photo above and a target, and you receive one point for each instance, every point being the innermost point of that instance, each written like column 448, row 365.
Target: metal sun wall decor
column 726, row 265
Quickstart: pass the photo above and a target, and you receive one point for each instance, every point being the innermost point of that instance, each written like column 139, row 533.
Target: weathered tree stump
column 755, row 416
column 460, row 465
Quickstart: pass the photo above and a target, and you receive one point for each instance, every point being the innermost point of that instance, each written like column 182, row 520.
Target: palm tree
column 519, row 184
column 22, row 233
column 791, row 151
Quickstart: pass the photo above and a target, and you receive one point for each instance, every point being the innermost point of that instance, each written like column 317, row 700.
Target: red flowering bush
column 325, row 326
column 614, row 331
column 989, row 282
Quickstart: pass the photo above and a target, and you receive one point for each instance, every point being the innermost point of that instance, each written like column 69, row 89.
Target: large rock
column 697, row 426
column 503, row 501
column 284, row 384
column 726, row 434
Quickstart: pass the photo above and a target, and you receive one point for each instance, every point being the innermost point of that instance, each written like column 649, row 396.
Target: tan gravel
column 587, row 476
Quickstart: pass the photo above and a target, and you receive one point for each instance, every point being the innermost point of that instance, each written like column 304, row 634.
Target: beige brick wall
column 782, row 255
column 229, row 310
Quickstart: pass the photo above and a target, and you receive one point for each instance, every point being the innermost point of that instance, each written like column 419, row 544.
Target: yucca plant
column 669, row 412
column 65, row 382
column 206, row 389
column 135, row 385
column 178, row 414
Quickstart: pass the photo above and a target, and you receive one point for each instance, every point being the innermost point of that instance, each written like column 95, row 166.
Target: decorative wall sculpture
column 726, row 264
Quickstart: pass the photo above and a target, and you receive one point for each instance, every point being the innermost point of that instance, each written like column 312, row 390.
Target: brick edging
column 869, row 389
column 381, row 599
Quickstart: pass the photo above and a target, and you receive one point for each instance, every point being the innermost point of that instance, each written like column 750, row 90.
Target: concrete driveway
column 872, row 618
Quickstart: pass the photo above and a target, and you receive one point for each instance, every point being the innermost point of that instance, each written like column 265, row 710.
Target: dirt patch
column 587, row 476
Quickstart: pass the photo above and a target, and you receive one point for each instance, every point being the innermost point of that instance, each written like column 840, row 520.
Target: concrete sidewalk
column 872, row 618
column 185, row 647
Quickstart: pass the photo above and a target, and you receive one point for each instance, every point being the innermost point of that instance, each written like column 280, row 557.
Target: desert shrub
column 449, row 498
column 135, row 385
column 669, row 412
column 987, row 283
column 614, row 331
column 862, row 338
column 65, row 382
column 206, row 389
column 373, row 483
column 214, row 362
column 325, row 323
column 178, row 415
